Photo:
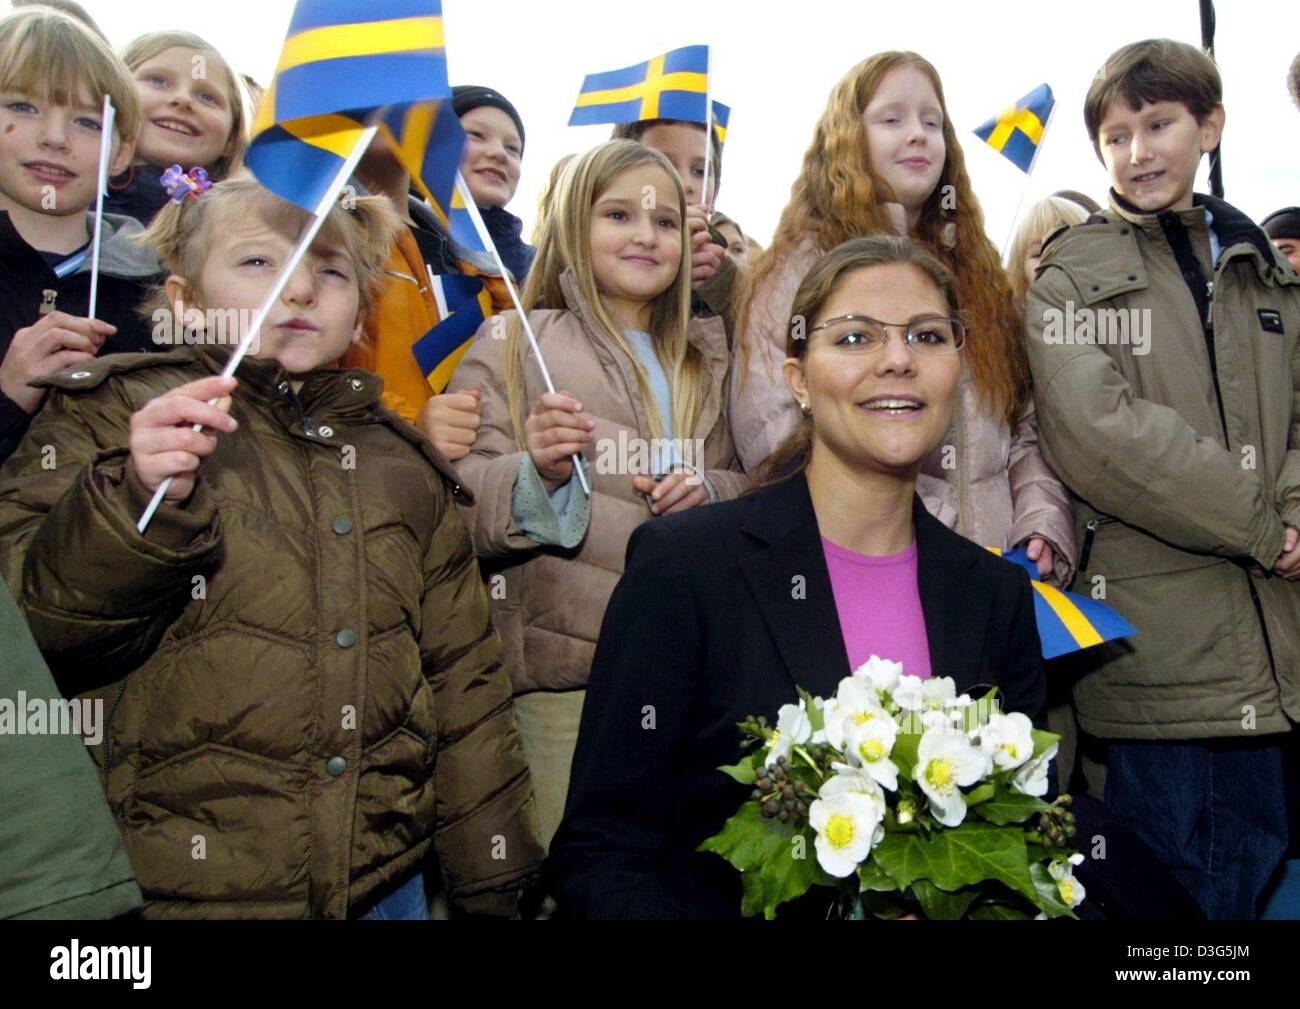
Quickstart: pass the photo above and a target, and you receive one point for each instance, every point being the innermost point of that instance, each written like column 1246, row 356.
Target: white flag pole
column 439, row 294
column 308, row 236
column 481, row 228
column 105, row 156
column 708, row 127
column 1024, row 190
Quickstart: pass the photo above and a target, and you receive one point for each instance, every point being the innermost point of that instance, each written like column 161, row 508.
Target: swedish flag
column 1067, row 621
column 439, row 351
column 429, row 141
column 1016, row 132
column 341, row 63
column 721, row 116
column 672, row 86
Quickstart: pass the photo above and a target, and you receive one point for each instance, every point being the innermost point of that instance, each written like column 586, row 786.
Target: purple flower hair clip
column 181, row 184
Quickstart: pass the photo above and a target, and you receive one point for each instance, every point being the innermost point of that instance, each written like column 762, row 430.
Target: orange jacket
column 404, row 312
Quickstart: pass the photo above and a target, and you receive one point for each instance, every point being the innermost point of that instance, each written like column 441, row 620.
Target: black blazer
column 705, row 628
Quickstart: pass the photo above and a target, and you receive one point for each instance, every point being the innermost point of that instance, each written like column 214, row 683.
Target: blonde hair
column 1040, row 220
column 44, row 51
column 838, row 196
column 146, row 47
column 547, row 196
column 565, row 246
column 180, row 234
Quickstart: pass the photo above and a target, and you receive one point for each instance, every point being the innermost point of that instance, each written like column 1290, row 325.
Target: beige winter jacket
column 1184, row 471
column 985, row 480
column 549, row 607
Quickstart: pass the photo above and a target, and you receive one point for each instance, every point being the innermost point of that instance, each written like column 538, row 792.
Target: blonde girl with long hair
column 642, row 397
column 885, row 158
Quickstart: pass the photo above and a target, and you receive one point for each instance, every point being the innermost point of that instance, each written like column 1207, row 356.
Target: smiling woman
column 794, row 585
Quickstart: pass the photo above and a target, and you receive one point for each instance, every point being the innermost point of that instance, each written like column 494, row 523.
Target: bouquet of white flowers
column 916, row 800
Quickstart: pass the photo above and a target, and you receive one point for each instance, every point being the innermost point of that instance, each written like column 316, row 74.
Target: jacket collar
column 334, row 392
column 120, row 254
column 955, row 600
column 708, row 336
column 1231, row 226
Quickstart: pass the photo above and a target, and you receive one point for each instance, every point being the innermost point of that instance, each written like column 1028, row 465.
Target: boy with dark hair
column 54, row 74
column 1164, row 339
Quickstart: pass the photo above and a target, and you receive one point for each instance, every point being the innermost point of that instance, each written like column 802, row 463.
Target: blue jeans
column 406, row 903
column 1214, row 812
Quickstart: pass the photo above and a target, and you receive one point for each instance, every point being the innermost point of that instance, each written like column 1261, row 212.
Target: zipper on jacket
column 308, row 428
column 1202, row 291
column 1089, row 534
column 108, row 724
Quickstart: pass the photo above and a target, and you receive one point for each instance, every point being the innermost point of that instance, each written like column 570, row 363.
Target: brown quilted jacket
column 303, row 693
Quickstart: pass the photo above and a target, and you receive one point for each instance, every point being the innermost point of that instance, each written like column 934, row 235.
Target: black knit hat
column 471, row 96
column 1284, row 223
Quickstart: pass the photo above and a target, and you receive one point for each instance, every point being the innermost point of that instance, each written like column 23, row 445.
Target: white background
column 775, row 63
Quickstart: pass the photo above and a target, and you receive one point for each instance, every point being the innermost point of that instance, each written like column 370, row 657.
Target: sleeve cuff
column 557, row 519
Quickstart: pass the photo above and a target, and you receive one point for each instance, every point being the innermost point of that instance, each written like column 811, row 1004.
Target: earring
column 805, row 409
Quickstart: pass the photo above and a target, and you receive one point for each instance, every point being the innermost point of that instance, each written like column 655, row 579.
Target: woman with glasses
column 724, row 611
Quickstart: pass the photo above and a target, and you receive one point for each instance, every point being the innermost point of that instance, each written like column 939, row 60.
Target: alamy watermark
column 219, row 327
column 628, row 456
column 1128, row 327
column 52, row 716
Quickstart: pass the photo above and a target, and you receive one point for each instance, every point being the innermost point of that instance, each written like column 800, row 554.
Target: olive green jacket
column 1183, row 470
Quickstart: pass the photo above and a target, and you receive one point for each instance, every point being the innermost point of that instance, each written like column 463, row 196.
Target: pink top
column 879, row 606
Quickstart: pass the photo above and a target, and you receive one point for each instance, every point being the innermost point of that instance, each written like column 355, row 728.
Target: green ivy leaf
column 763, row 849
column 1007, row 806
column 1042, row 740
column 816, row 717
column 980, row 794
column 1048, row 893
column 872, row 877
column 939, row 905
column 957, row 857
column 744, row 771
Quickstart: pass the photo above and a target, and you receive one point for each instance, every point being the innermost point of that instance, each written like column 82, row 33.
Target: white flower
column 1031, row 779
column 792, row 729
column 1071, row 890
column 907, row 694
column 938, row 691
column 847, row 822
column 1008, row 739
column 854, row 702
column 869, row 744
column 882, row 673
column 946, row 760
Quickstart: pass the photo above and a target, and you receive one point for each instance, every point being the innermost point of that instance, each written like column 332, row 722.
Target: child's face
column 736, row 247
column 493, row 155
column 845, row 384
column 636, row 236
column 683, row 144
column 905, row 135
column 187, row 117
column 49, row 154
column 1151, row 155
column 317, row 316
column 1289, row 247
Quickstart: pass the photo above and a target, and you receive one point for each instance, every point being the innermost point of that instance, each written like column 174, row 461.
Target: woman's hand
column 163, row 442
column 1040, row 552
column 553, row 432
column 679, row 490
column 451, row 422
column 52, row 344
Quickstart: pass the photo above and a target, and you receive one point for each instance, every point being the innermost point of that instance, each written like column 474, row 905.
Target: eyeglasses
column 930, row 337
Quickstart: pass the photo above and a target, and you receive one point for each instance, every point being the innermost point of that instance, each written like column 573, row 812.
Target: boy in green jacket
column 1163, row 339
